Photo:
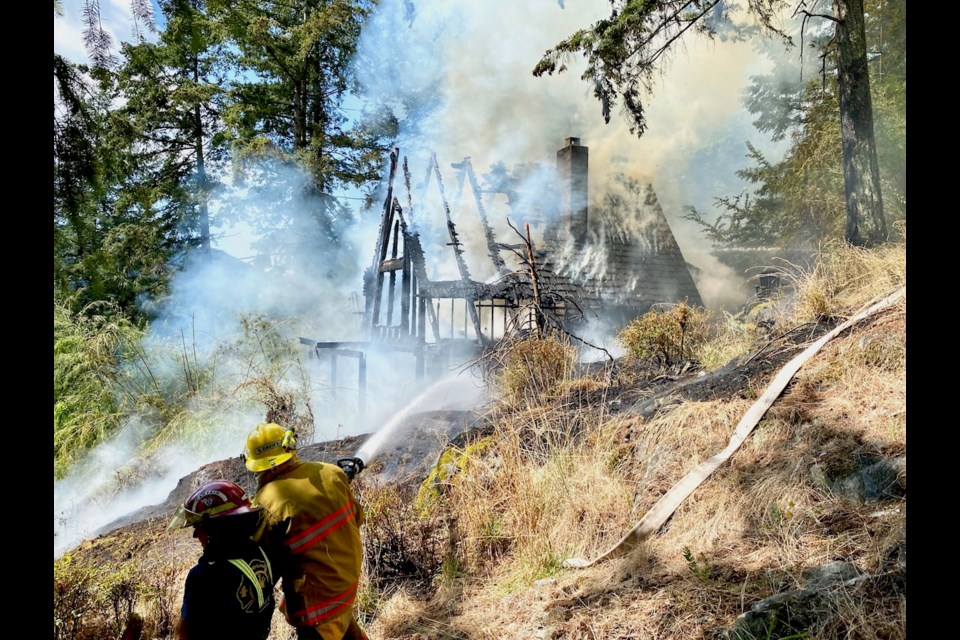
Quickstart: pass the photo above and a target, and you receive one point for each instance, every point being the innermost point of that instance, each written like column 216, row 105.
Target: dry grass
column 560, row 480
column 843, row 279
column 559, row 477
column 529, row 371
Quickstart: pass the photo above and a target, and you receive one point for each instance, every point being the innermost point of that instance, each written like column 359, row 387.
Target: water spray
column 430, row 398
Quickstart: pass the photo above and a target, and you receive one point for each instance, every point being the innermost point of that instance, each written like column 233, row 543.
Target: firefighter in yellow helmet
column 311, row 530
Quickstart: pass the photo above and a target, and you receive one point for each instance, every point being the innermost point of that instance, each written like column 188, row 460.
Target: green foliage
column 625, row 52
column 87, row 392
column 667, row 336
column 799, row 201
column 430, row 490
column 173, row 95
column 534, row 368
column 105, row 376
column 700, row 568
column 112, row 239
column 287, row 108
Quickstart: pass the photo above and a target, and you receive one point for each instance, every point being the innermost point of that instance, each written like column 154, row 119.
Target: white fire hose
column 665, row 507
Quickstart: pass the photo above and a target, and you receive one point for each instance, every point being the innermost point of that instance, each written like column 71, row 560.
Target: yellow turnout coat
column 311, row 529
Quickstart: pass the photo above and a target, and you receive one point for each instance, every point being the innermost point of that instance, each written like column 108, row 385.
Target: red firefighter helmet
column 216, row 499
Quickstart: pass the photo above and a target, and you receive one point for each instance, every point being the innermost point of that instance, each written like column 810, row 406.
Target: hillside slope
column 800, row 534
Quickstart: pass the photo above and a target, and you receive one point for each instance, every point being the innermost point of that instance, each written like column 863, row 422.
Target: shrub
column 667, row 336
column 89, row 602
column 534, row 369
column 86, row 359
column 74, row 596
column 399, row 543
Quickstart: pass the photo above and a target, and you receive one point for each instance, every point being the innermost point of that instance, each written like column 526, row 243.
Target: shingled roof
column 629, row 262
column 631, row 258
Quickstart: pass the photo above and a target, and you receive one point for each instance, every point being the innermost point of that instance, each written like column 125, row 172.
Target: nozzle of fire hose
column 350, row 466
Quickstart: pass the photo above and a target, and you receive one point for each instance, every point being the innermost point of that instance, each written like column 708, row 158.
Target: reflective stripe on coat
column 312, row 526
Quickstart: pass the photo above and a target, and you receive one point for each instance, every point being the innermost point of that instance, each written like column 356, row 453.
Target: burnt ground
column 649, row 389
column 407, row 457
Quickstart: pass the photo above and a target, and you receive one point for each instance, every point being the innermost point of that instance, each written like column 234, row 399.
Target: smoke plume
column 457, row 74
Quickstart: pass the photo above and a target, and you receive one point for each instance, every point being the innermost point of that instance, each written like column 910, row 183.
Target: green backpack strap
column 248, row 571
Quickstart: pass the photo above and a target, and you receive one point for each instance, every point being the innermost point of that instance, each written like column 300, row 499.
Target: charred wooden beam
column 391, row 265
column 492, row 247
column 458, row 252
column 386, row 224
column 405, row 289
column 406, row 183
column 393, row 272
column 333, row 345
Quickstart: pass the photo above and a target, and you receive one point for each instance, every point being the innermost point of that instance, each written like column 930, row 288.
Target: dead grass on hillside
column 557, row 477
column 558, row 482
column 866, row 376
column 843, row 279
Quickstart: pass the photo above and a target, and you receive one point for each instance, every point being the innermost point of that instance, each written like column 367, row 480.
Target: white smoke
column 463, row 72
column 458, row 76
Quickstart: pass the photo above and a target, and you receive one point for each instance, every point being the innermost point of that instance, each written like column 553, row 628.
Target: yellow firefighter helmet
column 268, row 446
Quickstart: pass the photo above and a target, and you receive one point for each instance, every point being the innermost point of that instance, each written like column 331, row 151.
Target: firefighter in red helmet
column 229, row 592
column 311, row 527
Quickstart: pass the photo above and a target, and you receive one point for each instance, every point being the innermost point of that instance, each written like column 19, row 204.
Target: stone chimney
column 572, row 178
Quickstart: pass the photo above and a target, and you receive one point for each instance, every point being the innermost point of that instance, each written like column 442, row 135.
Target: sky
column 474, row 61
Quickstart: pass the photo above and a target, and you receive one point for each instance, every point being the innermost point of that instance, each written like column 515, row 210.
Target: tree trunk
column 300, row 114
column 866, row 225
column 201, row 168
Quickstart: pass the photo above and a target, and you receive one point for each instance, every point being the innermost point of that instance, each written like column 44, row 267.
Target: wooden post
column 393, row 274
column 492, row 311
column 386, row 224
column 422, row 318
column 413, row 304
column 405, row 292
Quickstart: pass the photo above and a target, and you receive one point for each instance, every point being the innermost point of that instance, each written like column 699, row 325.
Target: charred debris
column 597, row 269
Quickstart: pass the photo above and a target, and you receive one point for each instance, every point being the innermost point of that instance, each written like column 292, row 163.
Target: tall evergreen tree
column 295, row 76
column 174, row 97
column 625, row 51
column 110, row 242
column 799, row 201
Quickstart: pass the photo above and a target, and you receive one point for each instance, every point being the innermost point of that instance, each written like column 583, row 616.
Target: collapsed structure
column 602, row 267
column 586, row 269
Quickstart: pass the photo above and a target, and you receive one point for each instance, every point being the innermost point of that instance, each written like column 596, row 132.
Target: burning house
column 603, row 265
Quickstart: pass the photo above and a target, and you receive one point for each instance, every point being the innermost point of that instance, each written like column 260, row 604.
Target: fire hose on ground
column 665, row 507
